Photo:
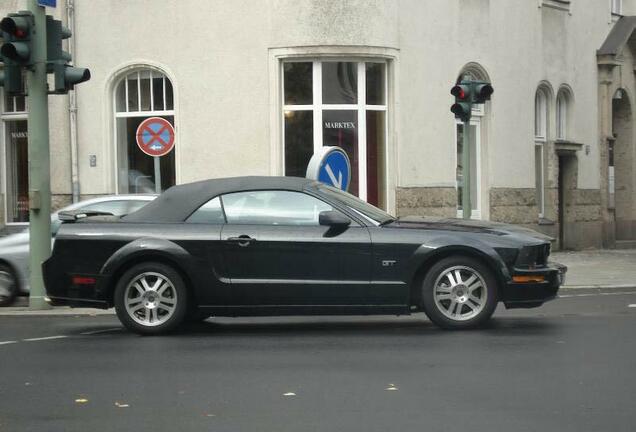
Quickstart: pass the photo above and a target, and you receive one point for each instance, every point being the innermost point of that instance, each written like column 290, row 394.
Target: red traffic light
column 16, row 26
column 460, row 92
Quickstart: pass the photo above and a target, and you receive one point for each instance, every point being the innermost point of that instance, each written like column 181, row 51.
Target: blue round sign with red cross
column 155, row 136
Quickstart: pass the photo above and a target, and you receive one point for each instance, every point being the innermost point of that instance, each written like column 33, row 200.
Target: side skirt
column 249, row 310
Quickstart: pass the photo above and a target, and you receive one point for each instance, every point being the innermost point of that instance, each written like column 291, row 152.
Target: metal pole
column 466, row 203
column 157, row 175
column 39, row 162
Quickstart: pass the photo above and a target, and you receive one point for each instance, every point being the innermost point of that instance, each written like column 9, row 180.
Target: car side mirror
column 334, row 219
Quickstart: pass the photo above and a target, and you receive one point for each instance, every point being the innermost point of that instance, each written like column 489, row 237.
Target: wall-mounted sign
column 330, row 165
column 155, row 136
column 340, row 125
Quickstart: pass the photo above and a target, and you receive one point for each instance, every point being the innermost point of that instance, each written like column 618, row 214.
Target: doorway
column 566, row 181
column 623, row 159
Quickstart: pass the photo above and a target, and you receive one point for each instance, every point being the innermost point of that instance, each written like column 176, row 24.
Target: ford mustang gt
column 251, row 246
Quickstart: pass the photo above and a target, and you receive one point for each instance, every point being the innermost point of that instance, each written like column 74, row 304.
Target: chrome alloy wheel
column 460, row 293
column 150, row 299
column 7, row 286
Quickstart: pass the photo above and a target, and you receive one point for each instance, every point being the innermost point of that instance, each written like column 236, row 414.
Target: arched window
column 540, row 139
column 473, row 72
column 562, row 113
column 141, row 94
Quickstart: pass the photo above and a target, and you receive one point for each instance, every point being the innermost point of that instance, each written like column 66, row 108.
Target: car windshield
column 369, row 211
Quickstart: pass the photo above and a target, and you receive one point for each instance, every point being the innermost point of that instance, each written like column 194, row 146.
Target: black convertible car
column 290, row 246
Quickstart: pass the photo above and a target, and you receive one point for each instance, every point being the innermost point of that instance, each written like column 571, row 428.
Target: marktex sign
column 340, row 125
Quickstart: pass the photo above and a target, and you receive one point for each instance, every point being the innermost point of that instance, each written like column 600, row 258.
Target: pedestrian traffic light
column 463, row 101
column 17, row 29
column 65, row 76
column 481, row 92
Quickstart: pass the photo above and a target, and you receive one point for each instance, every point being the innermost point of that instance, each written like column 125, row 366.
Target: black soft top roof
column 178, row 202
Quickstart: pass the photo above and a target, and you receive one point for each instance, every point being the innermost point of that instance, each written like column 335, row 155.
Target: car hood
column 464, row 225
column 14, row 239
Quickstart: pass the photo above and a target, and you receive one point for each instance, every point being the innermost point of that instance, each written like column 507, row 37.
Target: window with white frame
column 562, row 103
column 540, row 139
column 475, row 165
column 141, row 94
column 16, row 158
column 338, row 103
column 617, row 7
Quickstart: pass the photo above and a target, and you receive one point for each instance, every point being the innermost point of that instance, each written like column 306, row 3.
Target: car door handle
column 242, row 240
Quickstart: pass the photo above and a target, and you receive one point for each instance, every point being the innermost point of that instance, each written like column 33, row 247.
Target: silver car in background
column 14, row 248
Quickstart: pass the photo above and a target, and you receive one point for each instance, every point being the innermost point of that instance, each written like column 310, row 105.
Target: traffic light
column 482, row 92
column 16, row 50
column 467, row 94
column 17, row 29
column 11, row 78
column 65, row 76
column 463, row 101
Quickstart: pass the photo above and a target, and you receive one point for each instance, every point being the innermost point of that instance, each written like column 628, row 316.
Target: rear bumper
column 532, row 294
column 61, row 291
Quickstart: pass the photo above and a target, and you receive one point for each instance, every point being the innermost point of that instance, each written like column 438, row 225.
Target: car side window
column 209, row 213
column 273, row 207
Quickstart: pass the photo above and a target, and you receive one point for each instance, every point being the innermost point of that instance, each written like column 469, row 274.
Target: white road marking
column 596, row 294
column 101, row 331
column 632, row 305
column 8, row 342
column 44, row 338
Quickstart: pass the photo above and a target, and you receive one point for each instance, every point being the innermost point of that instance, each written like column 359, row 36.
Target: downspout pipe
column 72, row 106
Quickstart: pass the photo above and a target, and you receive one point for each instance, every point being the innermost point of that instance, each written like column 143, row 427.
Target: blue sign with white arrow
column 49, row 3
column 330, row 165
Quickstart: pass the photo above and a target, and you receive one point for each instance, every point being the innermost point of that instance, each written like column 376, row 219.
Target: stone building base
column 426, row 201
column 582, row 221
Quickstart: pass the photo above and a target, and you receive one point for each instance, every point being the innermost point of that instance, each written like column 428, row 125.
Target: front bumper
column 534, row 293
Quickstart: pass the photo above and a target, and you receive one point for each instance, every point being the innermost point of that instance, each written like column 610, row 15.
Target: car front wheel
column 8, row 286
column 151, row 298
column 459, row 292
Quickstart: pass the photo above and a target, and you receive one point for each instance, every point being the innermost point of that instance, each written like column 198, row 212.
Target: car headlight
column 508, row 255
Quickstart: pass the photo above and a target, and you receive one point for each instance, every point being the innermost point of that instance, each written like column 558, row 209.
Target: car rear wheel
column 8, row 286
column 151, row 298
column 459, row 292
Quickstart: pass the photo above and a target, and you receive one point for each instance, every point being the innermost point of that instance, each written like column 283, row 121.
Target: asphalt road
column 568, row 366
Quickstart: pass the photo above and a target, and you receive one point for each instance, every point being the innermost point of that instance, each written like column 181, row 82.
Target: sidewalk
column 598, row 268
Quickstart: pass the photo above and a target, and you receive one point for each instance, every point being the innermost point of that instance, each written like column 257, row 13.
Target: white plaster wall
column 216, row 52
column 519, row 44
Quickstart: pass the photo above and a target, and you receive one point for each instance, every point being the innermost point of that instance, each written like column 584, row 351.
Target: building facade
column 255, row 87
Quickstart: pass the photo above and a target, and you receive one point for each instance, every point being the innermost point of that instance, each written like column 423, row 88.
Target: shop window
column 139, row 95
column 338, row 103
column 16, row 149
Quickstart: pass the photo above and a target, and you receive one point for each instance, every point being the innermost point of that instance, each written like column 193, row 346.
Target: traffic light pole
column 466, row 202
column 39, row 162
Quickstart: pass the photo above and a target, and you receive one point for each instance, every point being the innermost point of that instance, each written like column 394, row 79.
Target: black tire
column 8, row 285
column 439, row 293
column 165, row 319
